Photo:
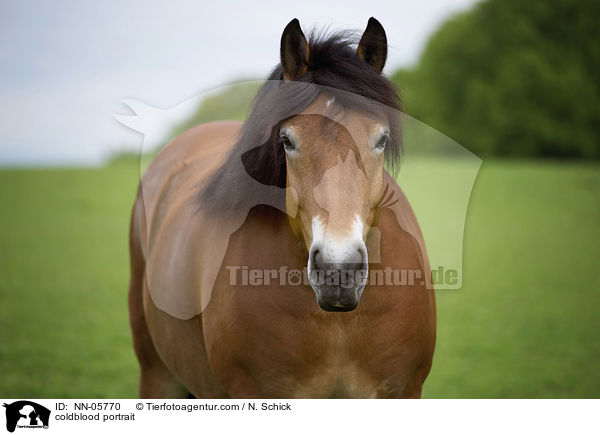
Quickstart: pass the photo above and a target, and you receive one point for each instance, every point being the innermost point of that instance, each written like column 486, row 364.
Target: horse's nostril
column 315, row 257
column 362, row 251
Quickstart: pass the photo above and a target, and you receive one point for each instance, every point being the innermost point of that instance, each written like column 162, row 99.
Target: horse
column 304, row 184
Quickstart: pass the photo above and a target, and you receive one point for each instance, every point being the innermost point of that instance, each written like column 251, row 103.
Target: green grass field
column 525, row 323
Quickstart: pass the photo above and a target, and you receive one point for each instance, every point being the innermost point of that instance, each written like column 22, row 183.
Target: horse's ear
column 294, row 51
column 372, row 47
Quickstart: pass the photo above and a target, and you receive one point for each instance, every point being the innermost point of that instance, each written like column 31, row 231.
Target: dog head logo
column 26, row 414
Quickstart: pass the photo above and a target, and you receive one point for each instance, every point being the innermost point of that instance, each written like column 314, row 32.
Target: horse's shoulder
column 179, row 235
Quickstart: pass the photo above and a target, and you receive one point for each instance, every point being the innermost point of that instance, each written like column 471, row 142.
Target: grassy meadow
column 524, row 324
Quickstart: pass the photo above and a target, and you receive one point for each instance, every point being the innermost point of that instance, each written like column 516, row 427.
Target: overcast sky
column 65, row 65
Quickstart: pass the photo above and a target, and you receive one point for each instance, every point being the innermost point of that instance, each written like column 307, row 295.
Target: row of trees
column 513, row 78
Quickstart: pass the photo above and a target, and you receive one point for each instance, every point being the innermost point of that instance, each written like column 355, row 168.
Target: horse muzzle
column 338, row 280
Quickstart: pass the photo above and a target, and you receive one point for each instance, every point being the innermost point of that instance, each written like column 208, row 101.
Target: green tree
column 513, row 78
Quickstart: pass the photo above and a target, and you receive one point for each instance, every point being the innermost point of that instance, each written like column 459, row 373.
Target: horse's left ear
column 372, row 47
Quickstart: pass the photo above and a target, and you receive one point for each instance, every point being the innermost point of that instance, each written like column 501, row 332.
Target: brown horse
column 227, row 211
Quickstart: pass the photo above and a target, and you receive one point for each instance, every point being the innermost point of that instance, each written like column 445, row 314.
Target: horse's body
column 270, row 340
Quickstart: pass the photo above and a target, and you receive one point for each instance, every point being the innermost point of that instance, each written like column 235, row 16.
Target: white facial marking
column 357, row 227
column 318, row 232
column 337, row 249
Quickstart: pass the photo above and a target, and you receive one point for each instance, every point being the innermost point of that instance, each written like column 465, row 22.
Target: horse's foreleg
column 155, row 379
column 157, row 382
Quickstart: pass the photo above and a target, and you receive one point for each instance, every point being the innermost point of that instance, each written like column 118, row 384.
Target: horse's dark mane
column 334, row 69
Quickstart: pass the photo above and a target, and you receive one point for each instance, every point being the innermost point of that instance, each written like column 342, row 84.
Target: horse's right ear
column 294, row 51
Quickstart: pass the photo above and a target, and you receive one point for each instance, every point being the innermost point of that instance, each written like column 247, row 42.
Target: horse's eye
column 383, row 141
column 287, row 143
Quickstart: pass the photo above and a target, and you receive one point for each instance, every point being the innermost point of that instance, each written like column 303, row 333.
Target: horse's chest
column 286, row 363
column 338, row 371
column 339, row 378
